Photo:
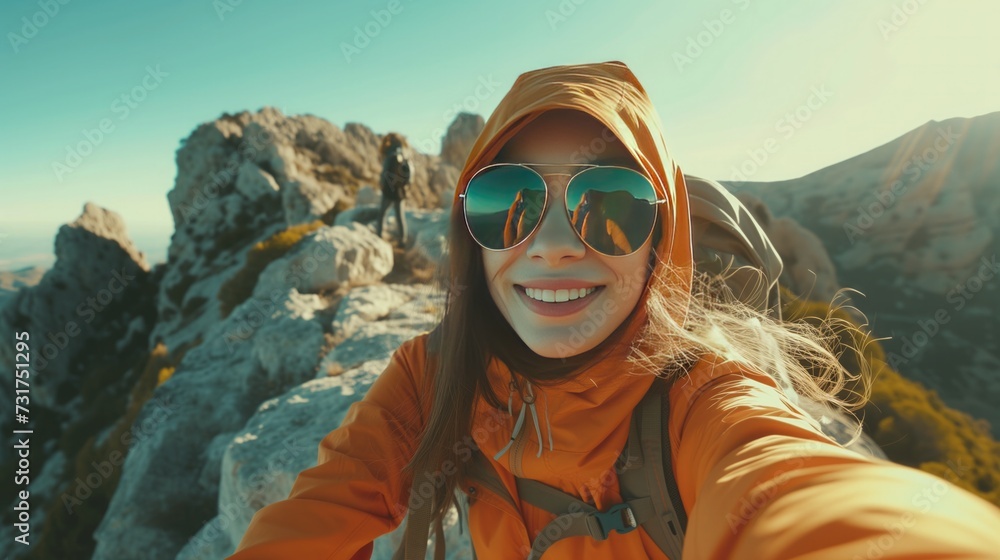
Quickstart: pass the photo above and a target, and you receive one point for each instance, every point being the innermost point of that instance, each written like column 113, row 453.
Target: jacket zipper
column 517, row 450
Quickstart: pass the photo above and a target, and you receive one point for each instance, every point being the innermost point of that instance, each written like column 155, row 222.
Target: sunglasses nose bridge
column 554, row 231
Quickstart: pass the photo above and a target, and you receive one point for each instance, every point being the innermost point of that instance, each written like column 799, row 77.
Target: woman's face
column 554, row 258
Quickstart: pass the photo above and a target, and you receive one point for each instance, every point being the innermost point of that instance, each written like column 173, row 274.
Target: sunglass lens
column 613, row 209
column 503, row 205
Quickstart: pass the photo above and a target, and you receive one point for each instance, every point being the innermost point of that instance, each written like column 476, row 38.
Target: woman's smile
column 558, row 303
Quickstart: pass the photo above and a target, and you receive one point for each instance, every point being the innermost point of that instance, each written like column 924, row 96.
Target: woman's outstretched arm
column 356, row 492
column 761, row 481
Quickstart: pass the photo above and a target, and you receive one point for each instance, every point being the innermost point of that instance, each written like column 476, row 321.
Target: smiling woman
column 530, row 283
column 573, row 295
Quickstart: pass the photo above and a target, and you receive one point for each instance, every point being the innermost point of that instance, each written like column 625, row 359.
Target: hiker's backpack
column 728, row 242
column 396, row 174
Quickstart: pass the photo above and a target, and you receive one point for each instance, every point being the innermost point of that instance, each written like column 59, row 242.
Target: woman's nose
column 555, row 239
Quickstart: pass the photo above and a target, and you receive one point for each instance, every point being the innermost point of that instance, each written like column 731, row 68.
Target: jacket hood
column 611, row 93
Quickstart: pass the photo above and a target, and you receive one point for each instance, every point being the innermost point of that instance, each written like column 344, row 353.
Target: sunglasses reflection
column 517, row 223
column 613, row 209
column 600, row 218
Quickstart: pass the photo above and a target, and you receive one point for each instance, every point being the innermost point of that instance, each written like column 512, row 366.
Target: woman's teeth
column 558, row 296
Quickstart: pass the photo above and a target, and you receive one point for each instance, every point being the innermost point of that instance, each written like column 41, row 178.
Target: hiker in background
column 394, row 179
column 525, row 406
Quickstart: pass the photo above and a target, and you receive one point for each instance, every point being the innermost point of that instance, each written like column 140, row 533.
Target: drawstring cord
column 517, row 425
column 534, row 418
column 528, row 400
column 548, row 427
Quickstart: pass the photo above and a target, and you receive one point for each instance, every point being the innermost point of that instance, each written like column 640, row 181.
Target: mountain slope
column 913, row 224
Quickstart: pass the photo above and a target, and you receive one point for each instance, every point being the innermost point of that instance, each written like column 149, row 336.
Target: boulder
column 328, row 258
column 280, row 440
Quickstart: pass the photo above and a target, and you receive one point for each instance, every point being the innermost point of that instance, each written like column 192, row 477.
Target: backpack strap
column 414, row 543
column 581, row 519
column 652, row 475
column 418, row 520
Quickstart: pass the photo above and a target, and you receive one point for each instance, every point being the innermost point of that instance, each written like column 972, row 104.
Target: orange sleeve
column 356, row 492
column 760, row 480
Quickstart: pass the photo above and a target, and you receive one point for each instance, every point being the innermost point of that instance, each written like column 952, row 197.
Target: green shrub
column 240, row 287
column 910, row 422
column 916, row 428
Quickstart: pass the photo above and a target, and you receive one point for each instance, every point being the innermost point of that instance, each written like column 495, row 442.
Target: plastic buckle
column 617, row 518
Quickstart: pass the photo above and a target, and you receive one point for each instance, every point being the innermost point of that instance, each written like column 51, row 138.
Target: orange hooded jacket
column 757, row 476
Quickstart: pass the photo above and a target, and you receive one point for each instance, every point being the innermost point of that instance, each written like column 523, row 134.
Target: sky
column 98, row 95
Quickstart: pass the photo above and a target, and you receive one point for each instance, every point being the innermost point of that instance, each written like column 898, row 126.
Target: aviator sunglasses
column 612, row 209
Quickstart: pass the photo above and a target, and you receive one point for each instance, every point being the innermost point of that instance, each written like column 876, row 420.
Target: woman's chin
column 562, row 348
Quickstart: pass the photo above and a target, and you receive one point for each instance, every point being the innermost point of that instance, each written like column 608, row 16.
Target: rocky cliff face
column 913, row 225
column 90, row 313
column 240, row 179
